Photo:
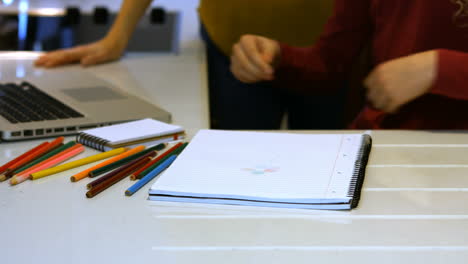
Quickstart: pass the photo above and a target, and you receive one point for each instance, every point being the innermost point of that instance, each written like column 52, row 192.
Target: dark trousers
column 236, row 105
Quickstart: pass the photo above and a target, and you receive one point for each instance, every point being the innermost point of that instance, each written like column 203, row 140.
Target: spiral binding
column 91, row 141
column 359, row 170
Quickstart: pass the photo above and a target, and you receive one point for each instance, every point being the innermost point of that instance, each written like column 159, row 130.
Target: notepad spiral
column 91, row 141
column 357, row 179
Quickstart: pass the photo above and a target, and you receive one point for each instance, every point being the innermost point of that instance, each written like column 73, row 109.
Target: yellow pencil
column 83, row 174
column 76, row 163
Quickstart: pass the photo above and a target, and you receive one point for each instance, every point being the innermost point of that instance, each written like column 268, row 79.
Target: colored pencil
column 116, row 178
column 137, row 173
column 175, row 152
column 135, row 187
column 119, row 163
column 45, row 156
column 118, row 170
column 8, row 164
column 84, row 174
column 73, row 164
column 45, row 164
column 8, row 173
column 60, row 168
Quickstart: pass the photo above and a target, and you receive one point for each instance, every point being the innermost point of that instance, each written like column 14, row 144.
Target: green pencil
column 176, row 151
column 46, row 156
column 123, row 161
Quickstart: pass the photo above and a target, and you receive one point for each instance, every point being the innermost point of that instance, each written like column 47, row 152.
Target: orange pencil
column 84, row 174
column 8, row 164
column 69, row 154
column 24, row 175
column 33, row 155
column 39, row 152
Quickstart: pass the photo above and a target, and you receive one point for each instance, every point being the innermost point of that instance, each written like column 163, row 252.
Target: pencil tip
column 72, row 179
column 13, row 181
column 2, row 178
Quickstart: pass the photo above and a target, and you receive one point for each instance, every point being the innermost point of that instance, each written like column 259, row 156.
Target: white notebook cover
column 132, row 131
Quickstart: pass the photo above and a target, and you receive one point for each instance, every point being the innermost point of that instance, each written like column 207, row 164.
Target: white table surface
column 412, row 210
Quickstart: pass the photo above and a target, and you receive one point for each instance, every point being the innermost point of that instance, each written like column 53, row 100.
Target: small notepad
column 130, row 133
column 314, row 171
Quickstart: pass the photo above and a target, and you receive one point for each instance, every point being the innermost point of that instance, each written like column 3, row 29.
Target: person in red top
column 419, row 49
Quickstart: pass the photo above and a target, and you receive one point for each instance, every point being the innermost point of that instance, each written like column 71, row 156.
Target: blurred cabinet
column 157, row 31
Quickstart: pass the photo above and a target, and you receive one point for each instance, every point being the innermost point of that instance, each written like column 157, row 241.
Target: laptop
column 65, row 102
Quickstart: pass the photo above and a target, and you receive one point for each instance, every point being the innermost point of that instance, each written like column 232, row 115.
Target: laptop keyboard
column 22, row 103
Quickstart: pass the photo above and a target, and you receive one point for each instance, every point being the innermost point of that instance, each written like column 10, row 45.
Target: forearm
column 130, row 13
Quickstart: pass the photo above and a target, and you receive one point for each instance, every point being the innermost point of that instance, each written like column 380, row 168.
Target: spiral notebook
column 311, row 171
column 141, row 132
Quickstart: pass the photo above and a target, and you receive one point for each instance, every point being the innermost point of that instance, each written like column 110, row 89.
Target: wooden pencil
column 78, row 163
column 84, row 174
column 119, row 163
column 8, row 164
column 160, row 168
column 49, row 154
column 8, row 173
column 43, row 173
column 116, row 178
column 118, row 170
column 136, row 174
column 150, row 168
column 45, row 164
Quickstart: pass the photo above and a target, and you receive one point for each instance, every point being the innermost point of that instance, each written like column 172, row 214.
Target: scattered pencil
column 164, row 165
column 60, row 168
column 141, row 151
column 83, row 174
column 150, row 168
column 119, row 163
column 119, row 170
column 46, row 156
column 8, row 164
column 47, row 146
column 116, row 178
column 137, row 173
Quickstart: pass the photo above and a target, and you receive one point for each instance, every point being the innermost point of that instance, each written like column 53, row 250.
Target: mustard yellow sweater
column 296, row 22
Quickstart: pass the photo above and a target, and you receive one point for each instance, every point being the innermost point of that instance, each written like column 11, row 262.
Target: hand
column 90, row 54
column 397, row 82
column 253, row 58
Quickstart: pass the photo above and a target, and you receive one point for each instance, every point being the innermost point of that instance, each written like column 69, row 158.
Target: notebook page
column 134, row 130
column 272, row 166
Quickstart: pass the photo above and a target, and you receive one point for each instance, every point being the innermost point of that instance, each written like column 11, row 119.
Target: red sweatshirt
column 395, row 28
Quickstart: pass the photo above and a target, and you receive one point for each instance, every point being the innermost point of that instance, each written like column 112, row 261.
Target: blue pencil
column 151, row 175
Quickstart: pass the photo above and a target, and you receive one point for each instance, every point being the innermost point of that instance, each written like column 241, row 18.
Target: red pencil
column 137, row 173
column 24, row 175
column 33, row 155
column 7, row 165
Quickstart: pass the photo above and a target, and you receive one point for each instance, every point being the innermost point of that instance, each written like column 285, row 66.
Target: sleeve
column 452, row 75
column 326, row 64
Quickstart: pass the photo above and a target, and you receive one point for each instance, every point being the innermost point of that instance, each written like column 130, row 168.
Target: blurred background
column 52, row 24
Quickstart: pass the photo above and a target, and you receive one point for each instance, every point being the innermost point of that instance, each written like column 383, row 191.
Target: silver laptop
column 63, row 103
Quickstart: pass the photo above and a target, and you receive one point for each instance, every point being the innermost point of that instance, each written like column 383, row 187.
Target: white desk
column 412, row 210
